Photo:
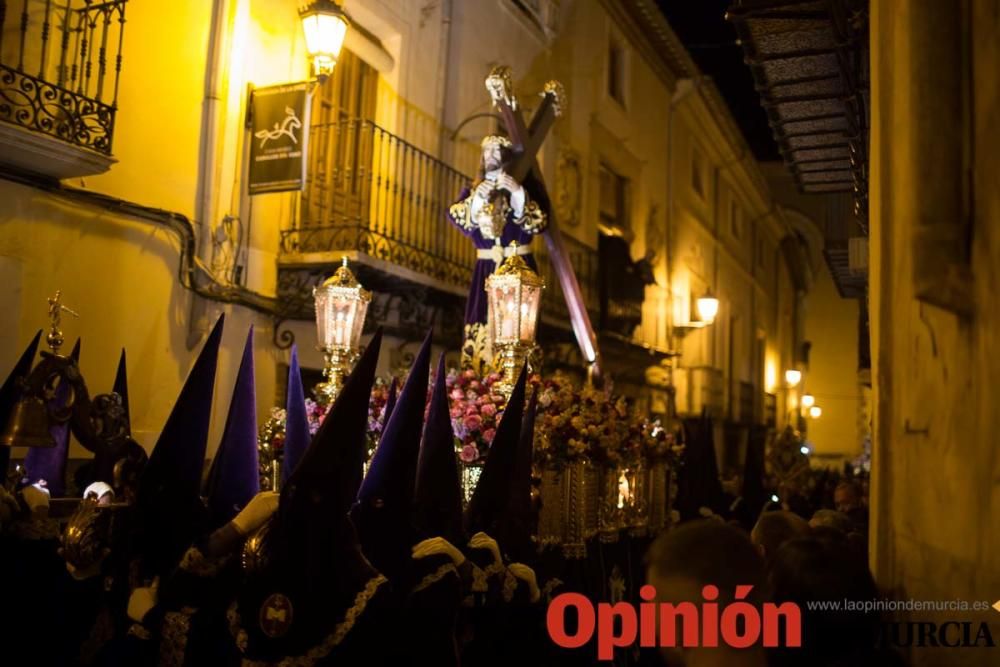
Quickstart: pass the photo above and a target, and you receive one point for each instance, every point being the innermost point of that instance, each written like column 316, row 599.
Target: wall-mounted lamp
column 793, row 377
column 815, row 412
column 325, row 25
column 808, row 400
column 708, row 307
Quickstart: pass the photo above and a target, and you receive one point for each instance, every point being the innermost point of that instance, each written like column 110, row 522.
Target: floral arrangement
column 660, row 445
column 376, row 415
column 271, row 436
column 271, row 448
column 476, row 408
column 577, row 423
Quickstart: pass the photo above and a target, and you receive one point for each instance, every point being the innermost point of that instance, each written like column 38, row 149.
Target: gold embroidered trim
column 533, row 220
column 322, row 649
column 435, row 577
column 509, row 586
column 137, row 630
column 197, row 563
column 477, row 354
column 495, row 568
column 174, row 637
column 459, row 212
column 479, row 580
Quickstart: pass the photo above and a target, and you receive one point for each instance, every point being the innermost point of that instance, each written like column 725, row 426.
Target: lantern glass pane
column 336, row 314
column 324, row 34
column 530, row 302
column 360, row 311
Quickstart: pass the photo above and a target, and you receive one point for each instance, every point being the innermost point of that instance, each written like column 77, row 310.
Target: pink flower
column 488, row 434
column 469, row 453
column 471, row 410
column 457, row 394
column 488, row 410
column 457, row 412
column 473, row 422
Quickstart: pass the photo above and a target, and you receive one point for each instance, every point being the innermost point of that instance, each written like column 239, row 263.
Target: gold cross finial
column 55, row 337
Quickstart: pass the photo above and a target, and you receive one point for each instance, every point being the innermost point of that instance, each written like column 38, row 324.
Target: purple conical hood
column 383, row 511
column 491, row 499
column 121, row 386
column 235, row 477
column 297, row 436
column 437, row 497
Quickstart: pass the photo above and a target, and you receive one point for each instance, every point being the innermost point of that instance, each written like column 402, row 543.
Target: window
column 736, row 220
column 697, row 169
column 616, row 71
column 613, row 205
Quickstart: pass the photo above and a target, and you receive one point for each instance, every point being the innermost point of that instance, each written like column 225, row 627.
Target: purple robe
column 476, row 305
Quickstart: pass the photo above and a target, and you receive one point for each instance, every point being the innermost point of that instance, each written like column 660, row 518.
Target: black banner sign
column 280, row 136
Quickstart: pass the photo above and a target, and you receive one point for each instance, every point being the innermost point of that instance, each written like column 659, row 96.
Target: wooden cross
column 526, row 140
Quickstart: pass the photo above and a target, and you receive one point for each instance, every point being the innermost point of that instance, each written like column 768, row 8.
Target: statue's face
column 492, row 157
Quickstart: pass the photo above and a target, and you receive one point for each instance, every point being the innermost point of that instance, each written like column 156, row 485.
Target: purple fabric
column 383, row 511
column 297, row 436
column 476, row 305
column 437, row 497
column 329, row 472
column 10, row 392
column 235, row 477
column 175, row 466
column 49, row 463
column 492, row 497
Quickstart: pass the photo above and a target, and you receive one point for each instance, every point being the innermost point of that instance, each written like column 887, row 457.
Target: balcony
column 383, row 202
column 59, row 71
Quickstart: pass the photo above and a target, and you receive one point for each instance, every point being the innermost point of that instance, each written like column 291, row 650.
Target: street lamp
column 793, row 377
column 708, row 307
column 808, row 400
column 325, row 25
column 341, row 306
column 514, row 295
column 815, row 412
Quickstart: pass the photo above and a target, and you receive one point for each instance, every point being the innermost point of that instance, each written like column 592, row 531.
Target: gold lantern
column 514, row 295
column 341, row 306
column 325, row 26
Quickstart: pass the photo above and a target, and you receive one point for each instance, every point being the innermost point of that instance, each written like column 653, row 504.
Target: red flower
column 472, row 421
column 469, row 453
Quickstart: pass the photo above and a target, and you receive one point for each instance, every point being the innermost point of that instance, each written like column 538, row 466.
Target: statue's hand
column 484, row 190
column 507, row 182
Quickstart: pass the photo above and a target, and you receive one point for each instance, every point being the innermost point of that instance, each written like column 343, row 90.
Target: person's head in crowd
column 681, row 562
column 732, row 484
column 814, row 569
column 831, row 519
column 847, row 497
column 775, row 528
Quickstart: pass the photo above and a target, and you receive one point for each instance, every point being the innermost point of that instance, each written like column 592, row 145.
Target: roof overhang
column 810, row 65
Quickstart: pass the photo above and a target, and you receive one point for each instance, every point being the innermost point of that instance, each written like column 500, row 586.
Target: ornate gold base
column 508, row 361
column 339, row 363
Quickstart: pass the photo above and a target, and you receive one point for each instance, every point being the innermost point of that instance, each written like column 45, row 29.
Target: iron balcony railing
column 370, row 191
column 59, row 68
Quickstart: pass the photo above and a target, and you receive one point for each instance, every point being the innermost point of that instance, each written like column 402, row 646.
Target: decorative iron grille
column 60, row 76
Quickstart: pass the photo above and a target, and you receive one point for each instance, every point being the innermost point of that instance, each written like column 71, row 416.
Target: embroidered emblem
column 276, row 615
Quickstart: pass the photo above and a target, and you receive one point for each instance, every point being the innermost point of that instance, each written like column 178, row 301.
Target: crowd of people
column 156, row 566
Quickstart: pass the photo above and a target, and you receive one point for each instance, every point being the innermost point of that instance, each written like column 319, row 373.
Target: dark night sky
column 711, row 40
